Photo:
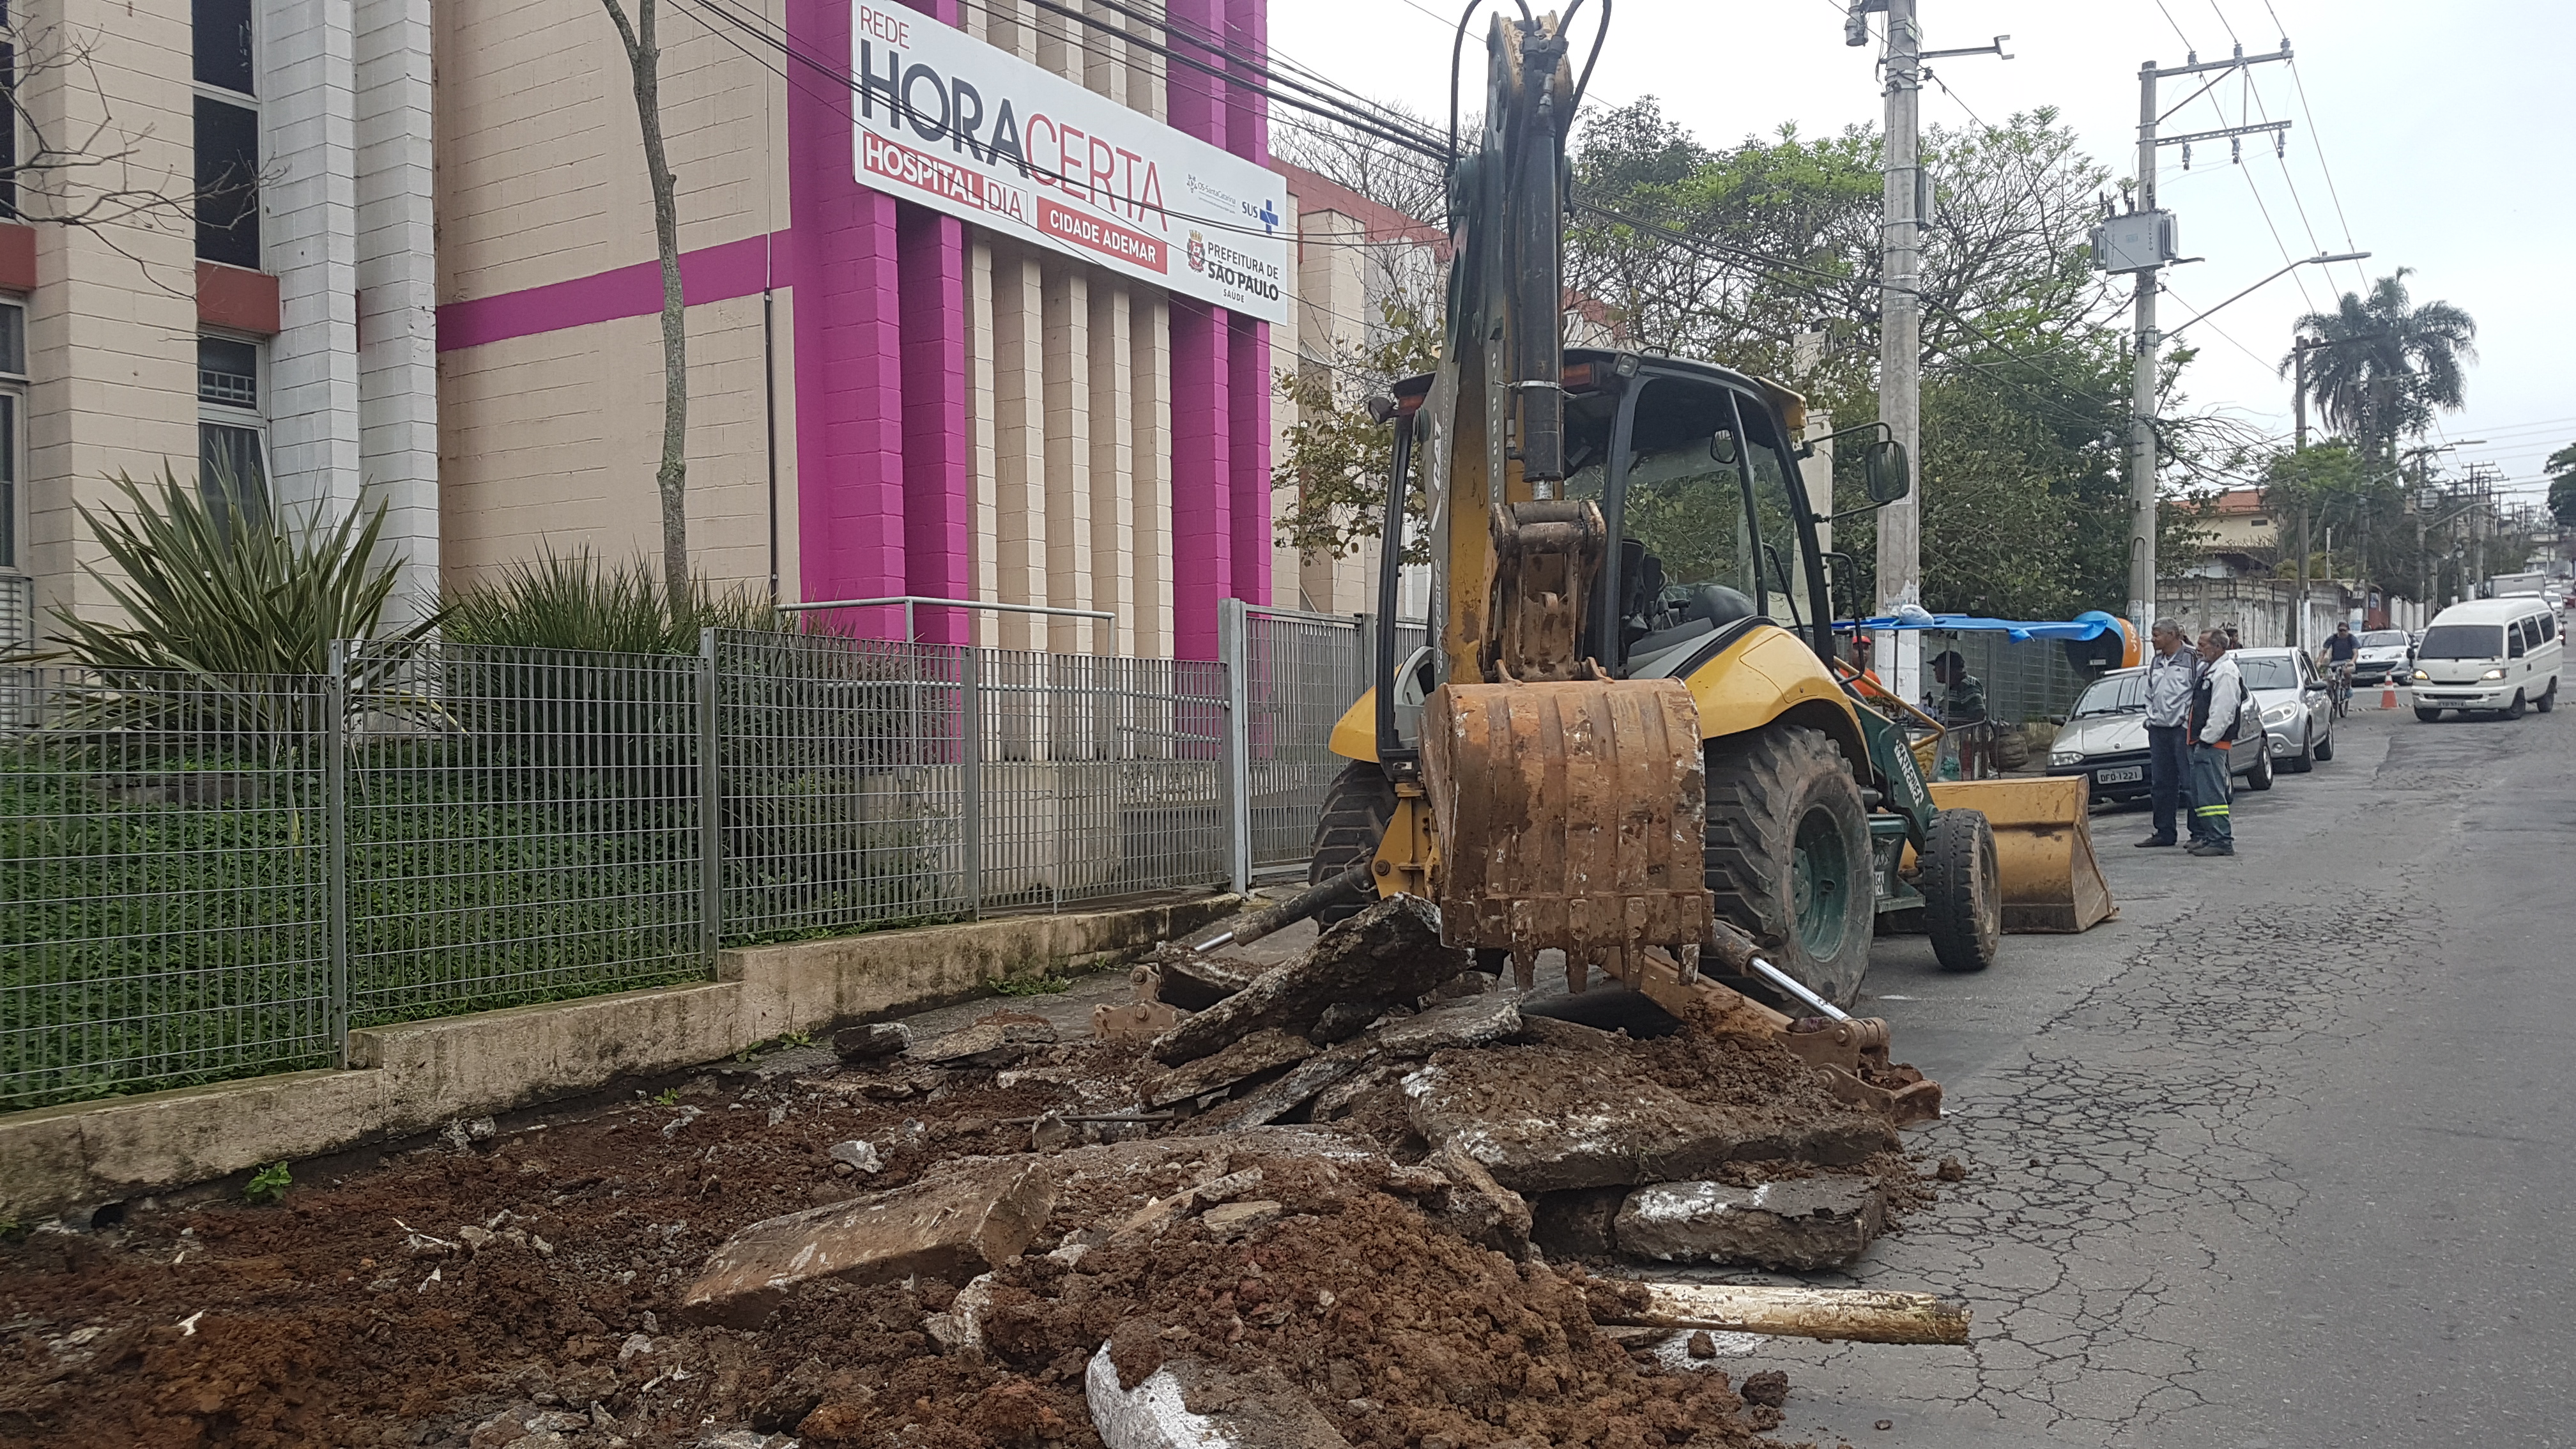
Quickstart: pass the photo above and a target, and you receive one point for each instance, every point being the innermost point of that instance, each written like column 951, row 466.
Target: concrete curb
column 418, row 1075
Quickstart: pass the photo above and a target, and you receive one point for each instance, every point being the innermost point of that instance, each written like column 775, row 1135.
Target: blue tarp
column 2091, row 624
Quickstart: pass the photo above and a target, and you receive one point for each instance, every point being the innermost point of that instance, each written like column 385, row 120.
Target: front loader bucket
column 1568, row 814
column 2052, row 885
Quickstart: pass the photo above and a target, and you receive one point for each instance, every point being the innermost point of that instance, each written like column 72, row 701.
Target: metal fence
column 202, row 879
column 2026, row 681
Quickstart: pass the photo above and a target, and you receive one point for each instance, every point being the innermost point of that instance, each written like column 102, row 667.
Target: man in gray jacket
column 2217, row 702
column 2172, row 670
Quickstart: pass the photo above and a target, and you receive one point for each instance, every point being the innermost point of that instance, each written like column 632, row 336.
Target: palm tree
column 2379, row 367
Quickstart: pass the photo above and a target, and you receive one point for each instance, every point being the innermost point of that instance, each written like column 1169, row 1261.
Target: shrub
column 582, row 601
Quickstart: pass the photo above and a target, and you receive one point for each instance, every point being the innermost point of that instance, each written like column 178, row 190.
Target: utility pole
column 2142, row 243
column 1906, row 198
column 2299, row 444
column 1900, row 346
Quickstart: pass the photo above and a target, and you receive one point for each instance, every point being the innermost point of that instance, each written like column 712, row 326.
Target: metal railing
column 211, row 878
column 1296, row 674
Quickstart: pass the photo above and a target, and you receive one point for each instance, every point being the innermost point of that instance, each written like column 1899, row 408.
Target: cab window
column 1688, row 550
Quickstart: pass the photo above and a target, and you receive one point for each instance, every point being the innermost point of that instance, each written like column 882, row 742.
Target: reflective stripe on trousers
column 2210, row 791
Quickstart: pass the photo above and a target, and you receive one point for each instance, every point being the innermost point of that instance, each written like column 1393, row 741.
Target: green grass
column 1032, row 986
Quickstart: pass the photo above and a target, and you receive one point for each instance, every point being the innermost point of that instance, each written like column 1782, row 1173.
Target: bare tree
column 644, row 59
column 84, row 173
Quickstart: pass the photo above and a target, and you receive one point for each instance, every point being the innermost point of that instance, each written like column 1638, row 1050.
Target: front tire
column 2427, row 713
column 1963, row 908
column 1357, row 806
column 2259, row 778
column 1787, row 854
column 2306, row 759
column 2514, row 710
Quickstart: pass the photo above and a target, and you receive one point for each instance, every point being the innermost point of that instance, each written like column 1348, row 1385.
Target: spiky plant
column 224, row 624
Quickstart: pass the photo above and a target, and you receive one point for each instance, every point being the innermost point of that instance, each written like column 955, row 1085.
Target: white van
column 2495, row 654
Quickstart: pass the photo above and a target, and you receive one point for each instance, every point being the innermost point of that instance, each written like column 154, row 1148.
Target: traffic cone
column 2388, row 694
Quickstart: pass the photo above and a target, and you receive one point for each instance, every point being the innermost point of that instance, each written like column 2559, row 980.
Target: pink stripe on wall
column 710, row 274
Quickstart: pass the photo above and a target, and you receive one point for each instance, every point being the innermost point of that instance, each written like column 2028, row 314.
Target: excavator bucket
column 1569, row 814
column 2043, row 850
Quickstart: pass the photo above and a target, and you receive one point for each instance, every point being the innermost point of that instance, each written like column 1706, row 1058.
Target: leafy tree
column 2562, row 484
column 2386, row 366
column 1334, row 458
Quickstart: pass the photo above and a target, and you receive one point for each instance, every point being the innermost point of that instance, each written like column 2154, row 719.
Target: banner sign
column 952, row 123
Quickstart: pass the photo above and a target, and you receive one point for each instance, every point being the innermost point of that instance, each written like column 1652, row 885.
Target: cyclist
column 2336, row 658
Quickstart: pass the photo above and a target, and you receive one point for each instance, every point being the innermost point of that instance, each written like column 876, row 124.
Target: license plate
column 2126, row 775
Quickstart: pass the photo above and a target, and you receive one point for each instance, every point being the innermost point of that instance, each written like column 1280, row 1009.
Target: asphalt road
column 2281, row 1157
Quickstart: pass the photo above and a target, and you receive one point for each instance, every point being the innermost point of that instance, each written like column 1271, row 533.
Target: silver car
column 2297, row 707
column 2106, row 739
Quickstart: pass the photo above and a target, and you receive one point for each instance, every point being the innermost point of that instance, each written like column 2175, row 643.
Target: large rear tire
column 1357, row 807
column 1787, row 854
column 1963, row 906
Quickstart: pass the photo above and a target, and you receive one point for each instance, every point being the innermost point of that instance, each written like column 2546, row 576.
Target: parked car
column 2106, row 739
column 2296, row 705
column 2381, row 653
column 2489, row 654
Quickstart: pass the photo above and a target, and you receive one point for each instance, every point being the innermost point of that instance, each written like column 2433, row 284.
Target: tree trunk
column 644, row 59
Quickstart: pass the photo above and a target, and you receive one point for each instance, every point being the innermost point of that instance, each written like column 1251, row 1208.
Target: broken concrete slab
column 987, row 1044
column 1473, row 1022
column 973, row 1216
column 872, row 1042
column 1292, row 1091
column 1234, row 1219
column 1337, row 1100
column 1544, row 1119
column 1808, row 1222
column 1477, row 1208
column 858, row 1156
column 1191, row 980
column 1185, row 1404
column 1262, row 1051
column 1386, row 954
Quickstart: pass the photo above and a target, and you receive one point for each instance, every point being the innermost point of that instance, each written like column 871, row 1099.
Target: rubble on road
column 1388, row 954
column 1337, row 1202
column 975, row 1215
column 1547, row 1118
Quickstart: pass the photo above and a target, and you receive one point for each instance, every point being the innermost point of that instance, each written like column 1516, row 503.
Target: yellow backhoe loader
column 1629, row 723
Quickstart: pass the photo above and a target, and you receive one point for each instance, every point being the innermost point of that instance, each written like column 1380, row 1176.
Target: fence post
column 1233, row 649
column 335, row 840
column 970, row 761
column 710, row 806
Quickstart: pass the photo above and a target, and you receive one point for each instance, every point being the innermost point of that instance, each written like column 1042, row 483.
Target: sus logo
column 1198, row 252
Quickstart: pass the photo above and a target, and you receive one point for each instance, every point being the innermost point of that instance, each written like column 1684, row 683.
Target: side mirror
column 1883, row 471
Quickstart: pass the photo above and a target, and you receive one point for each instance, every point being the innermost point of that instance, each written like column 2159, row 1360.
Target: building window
column 227, row 134
column 232, row 469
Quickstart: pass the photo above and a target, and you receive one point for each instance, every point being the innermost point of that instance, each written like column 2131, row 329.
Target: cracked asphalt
column 2279, row 1157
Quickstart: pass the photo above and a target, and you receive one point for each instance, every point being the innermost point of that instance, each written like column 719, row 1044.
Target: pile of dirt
column 1400, row 1333
column 476, row 1294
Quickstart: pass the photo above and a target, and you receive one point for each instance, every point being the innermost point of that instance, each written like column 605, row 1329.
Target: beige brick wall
column 551, row 441
column 112, row 325
column 540, row 155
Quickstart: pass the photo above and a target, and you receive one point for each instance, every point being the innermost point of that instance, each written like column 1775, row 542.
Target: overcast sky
column 2432, row 122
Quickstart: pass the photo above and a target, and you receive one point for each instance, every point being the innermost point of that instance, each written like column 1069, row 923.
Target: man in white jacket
column 2217, row 701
